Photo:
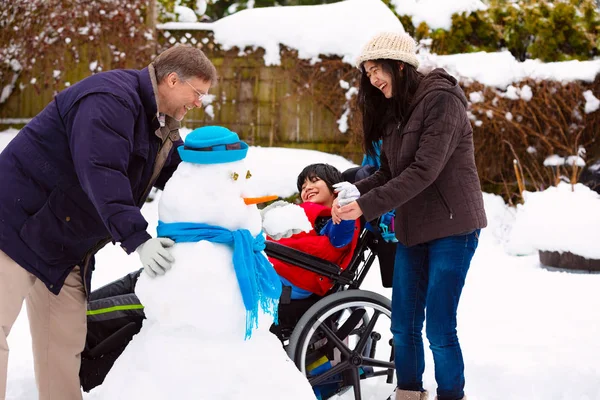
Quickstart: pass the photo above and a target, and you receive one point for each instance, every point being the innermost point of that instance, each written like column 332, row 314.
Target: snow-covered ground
column 527, row 332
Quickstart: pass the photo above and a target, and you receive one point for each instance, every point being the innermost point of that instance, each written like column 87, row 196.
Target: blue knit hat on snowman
column 212, row 145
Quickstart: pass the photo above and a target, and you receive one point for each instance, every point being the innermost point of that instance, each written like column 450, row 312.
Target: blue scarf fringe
column 258, row 281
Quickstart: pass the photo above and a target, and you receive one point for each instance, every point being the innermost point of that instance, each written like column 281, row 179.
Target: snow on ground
column 528, row 332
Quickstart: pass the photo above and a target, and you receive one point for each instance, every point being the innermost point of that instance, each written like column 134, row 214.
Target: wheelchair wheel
column 343, row 342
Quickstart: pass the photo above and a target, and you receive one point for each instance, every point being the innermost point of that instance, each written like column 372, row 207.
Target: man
column 74, row 179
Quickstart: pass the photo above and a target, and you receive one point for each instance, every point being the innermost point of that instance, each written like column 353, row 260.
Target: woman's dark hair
column 325, row 172
column 376, row 110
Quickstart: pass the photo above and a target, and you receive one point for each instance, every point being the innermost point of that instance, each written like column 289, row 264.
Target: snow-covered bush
column 529, row 122
column 529, row 29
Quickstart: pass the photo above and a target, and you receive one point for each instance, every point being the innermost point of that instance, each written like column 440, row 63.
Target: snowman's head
column 212, row 185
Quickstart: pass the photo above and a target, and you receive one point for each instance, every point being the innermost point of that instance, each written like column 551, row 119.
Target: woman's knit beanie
column 392, row 46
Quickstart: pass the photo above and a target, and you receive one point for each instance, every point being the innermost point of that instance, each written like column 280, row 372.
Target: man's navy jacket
column 77, row 174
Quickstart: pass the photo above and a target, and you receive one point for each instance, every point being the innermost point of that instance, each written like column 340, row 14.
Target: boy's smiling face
column 316, row 191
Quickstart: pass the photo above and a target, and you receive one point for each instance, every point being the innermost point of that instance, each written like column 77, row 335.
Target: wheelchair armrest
column 302, row 260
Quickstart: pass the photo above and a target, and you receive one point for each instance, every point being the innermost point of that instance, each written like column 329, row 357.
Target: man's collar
column 163, row 120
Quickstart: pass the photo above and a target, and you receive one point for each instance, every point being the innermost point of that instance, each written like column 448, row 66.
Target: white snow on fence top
column 436, row 13
column 341, row 29
column 338, row 29
column 501, row 69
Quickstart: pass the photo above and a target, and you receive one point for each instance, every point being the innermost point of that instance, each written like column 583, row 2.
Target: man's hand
column 156, row 256
column 347, row 193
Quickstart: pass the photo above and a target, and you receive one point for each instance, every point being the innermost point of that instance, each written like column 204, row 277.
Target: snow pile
column 562, row 218
column 185, row 14
column 501, row 69
column 329, row 29
column 591, row 102
column 437, row 14
column 283, row 219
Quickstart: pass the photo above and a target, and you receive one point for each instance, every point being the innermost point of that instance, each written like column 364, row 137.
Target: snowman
column 206, row 336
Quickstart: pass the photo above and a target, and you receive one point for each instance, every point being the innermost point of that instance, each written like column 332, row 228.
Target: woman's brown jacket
column 428, row 172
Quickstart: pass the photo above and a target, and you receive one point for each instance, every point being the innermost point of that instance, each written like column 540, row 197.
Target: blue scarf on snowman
column 259, row 283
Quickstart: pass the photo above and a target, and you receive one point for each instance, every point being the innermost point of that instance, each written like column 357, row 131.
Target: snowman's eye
column 248, row 175
column 235, row 176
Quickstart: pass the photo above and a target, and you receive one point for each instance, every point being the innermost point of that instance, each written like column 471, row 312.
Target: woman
column 428, row 176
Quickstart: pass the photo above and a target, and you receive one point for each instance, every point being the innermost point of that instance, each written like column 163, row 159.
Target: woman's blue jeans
column 430, row 276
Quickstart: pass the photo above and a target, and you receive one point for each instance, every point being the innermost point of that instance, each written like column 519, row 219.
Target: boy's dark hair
column 325, row 172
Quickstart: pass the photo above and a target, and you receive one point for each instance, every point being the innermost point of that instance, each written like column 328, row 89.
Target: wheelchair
column 340, row 342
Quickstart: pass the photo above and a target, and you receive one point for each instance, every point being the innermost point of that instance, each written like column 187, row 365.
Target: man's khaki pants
column 58, row 329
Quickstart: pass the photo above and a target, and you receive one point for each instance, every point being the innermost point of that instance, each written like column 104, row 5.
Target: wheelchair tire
column 313, row 342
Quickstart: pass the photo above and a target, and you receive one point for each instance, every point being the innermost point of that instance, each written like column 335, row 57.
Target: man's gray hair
column 187, row 62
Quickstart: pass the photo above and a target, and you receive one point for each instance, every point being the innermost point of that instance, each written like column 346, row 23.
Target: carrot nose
column 258, row 200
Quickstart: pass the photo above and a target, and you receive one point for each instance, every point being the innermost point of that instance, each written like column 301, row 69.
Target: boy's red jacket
column 316, row 245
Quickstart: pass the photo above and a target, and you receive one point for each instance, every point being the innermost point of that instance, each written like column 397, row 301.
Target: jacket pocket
column 412, row 126
column 443, row 199
column 60, row 232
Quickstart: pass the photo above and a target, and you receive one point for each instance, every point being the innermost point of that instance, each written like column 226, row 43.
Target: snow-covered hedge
column 530, row 29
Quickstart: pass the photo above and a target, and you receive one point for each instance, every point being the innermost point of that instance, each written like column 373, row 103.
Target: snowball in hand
column 286, row 218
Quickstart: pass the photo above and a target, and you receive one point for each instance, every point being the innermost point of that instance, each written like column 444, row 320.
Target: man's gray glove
column 279, row 235
column 347, row 193
column 156, row 256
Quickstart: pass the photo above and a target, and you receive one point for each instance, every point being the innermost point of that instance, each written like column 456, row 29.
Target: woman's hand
column 350, row 211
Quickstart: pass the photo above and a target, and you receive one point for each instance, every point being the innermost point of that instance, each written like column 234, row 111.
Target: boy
column 335, row 243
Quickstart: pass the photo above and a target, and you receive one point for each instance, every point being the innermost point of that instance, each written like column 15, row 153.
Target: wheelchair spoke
column 371, row 362
column 367, row 333
column 335, row 340
column 355, row 379
column 329, row 374
column 348, row 326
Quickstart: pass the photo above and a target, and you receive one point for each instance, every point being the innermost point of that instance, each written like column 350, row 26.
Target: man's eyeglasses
column 199, row 93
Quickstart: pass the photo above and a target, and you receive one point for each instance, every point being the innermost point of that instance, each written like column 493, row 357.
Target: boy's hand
column 284, row 235
column 347, row 193
column 334, row 212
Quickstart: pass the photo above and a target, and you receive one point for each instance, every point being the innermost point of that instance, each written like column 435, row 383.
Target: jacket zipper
column 439, row 192
column 88, row 257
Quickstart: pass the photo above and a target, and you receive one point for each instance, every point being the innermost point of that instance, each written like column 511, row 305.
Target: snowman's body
column 192, row 345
